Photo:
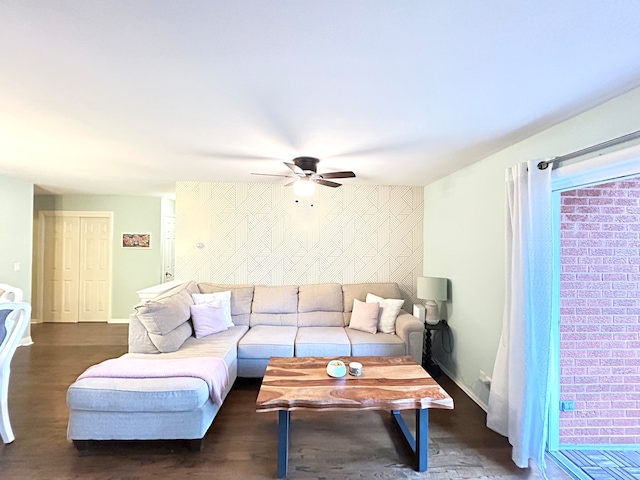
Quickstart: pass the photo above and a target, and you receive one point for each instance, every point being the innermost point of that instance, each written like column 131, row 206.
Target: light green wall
column 16, row 205
column 464, row 234
column 16, row 234
column 133, row 269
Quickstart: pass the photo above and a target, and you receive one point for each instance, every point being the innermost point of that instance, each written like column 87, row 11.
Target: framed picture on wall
column 136, row 240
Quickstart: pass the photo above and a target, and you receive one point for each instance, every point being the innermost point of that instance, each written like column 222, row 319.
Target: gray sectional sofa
column 282, row 321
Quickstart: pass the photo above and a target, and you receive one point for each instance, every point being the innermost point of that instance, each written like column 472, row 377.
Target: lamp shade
column 432, row 288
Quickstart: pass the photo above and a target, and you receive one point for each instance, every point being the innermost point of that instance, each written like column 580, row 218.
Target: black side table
column 427, row 360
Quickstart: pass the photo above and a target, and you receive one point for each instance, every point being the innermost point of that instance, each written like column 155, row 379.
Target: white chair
column 9, row 293
column 14, row 318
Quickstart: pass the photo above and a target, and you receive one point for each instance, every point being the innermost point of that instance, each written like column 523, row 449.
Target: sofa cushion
column 380, row 344
column 139, row 340
column 322, row 342
column 320, row 305
column 275, row 306
column 321, row 297
column 321, row 319
column 223, row 345
column 173, row 340
column 164, row 313
column 252, row 367
column 176, row 394
column 264, row 341
column 189, row 287
column 274, row 319
column 360, row 290
column 241, row 298
column 278, row 299
column 166, row 317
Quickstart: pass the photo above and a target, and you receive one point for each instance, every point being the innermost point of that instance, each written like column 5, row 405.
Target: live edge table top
column 386, row 383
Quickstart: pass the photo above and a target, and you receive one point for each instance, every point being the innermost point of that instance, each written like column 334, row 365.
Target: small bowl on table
column 336, row 368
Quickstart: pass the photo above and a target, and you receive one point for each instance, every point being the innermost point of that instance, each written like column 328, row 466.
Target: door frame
column 40, row 248
column 166, row 217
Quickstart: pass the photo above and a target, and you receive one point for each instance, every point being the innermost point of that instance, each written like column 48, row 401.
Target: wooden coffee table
column 386, row 383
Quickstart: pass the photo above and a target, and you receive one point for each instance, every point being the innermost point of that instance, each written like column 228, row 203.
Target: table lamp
column 432, row 290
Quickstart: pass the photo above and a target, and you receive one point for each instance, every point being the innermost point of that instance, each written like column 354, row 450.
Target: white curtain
column 519, row 396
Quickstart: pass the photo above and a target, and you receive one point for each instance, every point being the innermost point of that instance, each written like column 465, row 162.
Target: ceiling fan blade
column 338, row 175
column 270, row 175
column 295, row 169
column 327, row 183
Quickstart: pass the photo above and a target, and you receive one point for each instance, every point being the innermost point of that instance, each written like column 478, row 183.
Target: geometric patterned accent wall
column 257, row 233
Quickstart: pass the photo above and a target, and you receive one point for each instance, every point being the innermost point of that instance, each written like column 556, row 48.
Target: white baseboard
column 119, row 320
column 465, row 389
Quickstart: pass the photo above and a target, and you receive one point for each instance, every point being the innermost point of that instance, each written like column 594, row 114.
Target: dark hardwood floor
column 241, row 444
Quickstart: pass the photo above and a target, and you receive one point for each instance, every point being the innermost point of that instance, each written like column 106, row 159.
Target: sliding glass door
column 596, row 381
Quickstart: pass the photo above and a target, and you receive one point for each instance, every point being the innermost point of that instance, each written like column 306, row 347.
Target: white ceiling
column 128, row 96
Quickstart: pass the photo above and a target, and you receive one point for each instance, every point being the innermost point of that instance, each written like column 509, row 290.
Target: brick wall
column 599, row 314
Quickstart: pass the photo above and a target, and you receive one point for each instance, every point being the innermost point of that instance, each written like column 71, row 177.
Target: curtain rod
column 594, row 148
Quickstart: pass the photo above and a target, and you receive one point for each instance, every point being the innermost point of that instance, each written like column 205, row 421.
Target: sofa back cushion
column 359, row 291
column 275, row 305
column 320, row 297
column 320, row 305
column 166, row 317
column 139, row 340
column 241, row 298
column 188, row 287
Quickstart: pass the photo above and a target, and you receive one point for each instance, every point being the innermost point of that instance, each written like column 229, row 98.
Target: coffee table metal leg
column 420, row 443
column 284, row 418
column 422, row 439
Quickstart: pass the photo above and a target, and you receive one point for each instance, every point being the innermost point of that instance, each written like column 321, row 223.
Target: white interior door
column 61, row 272
column 94, row 274
column 76, row 271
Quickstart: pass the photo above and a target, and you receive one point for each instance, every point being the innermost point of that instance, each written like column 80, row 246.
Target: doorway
column 594, row 423
column 168, row 247
column 75, row 266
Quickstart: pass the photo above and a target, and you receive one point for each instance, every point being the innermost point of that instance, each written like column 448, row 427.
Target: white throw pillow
column 389, row 310
column 208, row 318
column 223, row 297
column 364, row 316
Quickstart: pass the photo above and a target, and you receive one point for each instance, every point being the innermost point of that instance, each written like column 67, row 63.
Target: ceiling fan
column 305, row 169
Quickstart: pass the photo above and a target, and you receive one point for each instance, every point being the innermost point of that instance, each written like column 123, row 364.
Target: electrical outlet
column 484, row 378
column 16, row 266
column 567, row 406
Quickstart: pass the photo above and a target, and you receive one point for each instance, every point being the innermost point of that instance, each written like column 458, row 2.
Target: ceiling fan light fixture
column 305, row 175
column 304, row 187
